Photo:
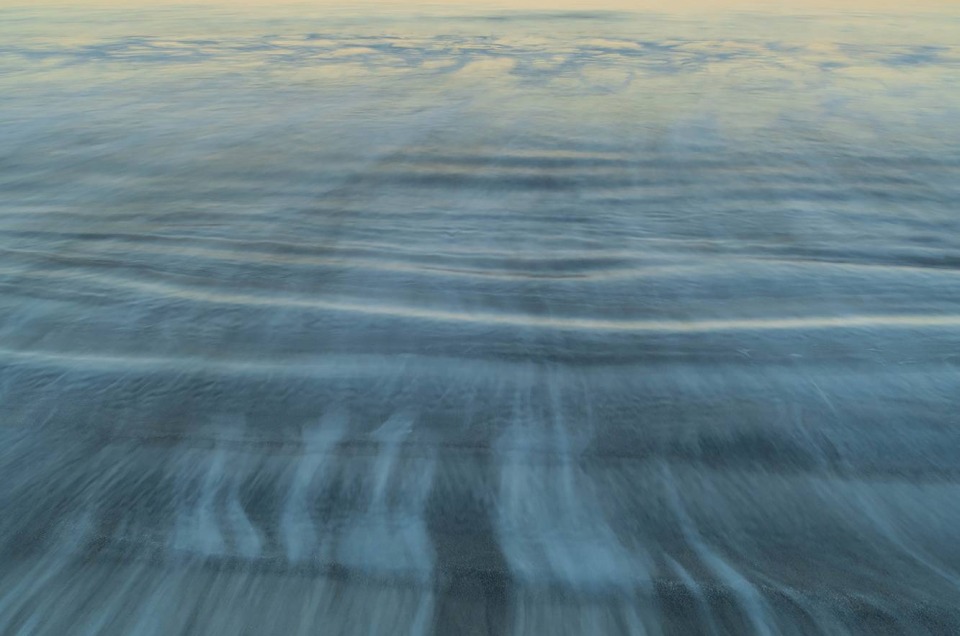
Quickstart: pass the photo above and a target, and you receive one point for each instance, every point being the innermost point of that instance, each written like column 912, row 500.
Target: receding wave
column 441, row 320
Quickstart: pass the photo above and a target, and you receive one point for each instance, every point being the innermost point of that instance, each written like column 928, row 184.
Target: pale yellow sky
column 661, row 6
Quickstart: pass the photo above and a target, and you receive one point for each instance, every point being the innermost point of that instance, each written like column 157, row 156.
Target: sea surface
column 457, row 319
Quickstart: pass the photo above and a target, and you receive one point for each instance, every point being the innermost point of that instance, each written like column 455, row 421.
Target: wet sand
column 479, row 322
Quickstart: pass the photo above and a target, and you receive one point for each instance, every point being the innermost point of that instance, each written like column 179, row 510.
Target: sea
column 457, row 318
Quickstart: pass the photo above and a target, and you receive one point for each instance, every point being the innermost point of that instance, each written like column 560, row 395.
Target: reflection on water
column 455, row 319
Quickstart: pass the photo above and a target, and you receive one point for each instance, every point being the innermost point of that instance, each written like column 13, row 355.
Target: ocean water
column 460, row 319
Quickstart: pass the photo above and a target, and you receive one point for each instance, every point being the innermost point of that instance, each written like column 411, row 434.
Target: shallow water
column 472, row 320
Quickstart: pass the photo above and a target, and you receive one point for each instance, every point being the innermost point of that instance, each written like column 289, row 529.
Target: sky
column 773, row 6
